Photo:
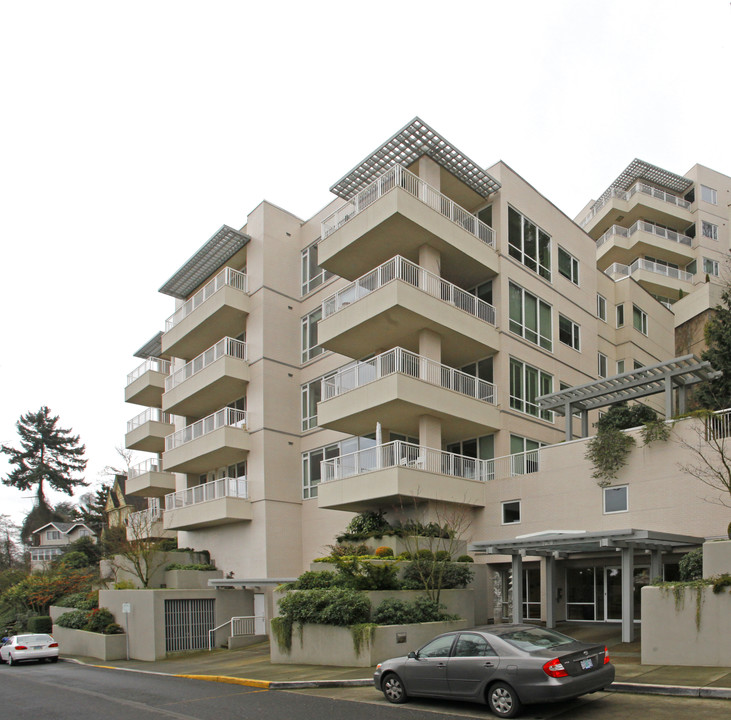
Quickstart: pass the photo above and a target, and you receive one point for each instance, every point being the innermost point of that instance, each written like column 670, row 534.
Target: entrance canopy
column 559, row 544
column 679, row 373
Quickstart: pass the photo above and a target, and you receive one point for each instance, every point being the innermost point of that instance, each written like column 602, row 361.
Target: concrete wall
column 716, row 558
column 120, row 569
column 89, row 644
column 334, row 645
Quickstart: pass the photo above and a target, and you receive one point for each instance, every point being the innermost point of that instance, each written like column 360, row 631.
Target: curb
column 673, row 690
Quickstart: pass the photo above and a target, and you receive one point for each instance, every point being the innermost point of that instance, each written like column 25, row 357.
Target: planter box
column 332, row 645
column 89, row 644
column 190, row 579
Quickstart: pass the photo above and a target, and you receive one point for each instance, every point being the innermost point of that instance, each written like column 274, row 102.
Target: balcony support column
column 429, row 172
column 430, row 259
column 430, row 432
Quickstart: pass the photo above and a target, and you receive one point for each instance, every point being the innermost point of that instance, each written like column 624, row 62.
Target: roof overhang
column 405, row 147
column 222, row 245
column 224, row 583
column 679, row 372
column 152, row 348
column 558, row 543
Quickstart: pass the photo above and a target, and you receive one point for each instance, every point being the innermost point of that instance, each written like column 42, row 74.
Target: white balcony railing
column 214, row 490
column 402, row 361
column 224, row 347
column 148, row 415
column 636, row 188
column 398, row 176
column 152, row 363
column 221, row 418
column 643, row 226
column 141, row 522
column 649, row 266
column 718, row 426
column 398, row 268
column 227, row 276
column 147, row 466
column 399, row 453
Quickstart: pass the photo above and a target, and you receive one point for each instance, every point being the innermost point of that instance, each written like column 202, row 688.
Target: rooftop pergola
column 152, row 348
column 407, row 146
column 221, row 246
column 677, row 374
column 560, row 544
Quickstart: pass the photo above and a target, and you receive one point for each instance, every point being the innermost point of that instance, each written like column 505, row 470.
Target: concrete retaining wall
column 89, row 644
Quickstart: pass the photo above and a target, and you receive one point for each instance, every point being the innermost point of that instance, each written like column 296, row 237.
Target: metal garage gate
column 187, row 623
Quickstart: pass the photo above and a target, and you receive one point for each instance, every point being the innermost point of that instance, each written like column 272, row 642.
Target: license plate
column 587, row 664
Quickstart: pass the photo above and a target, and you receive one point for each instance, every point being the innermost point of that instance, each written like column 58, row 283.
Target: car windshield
column 33, row 639
column 535, row 638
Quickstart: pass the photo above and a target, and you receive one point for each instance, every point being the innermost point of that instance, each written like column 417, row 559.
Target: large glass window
column 532, row 593
column 639, row 319
column 620, row 315
column 483, row 291
column 583, row 587
column 311, row 395
column 526, row 384
column 601, row 307
column 511, row 512
column 312, row 274
column 311, row 469
column 528, row 244
column 709, row 230
column 530, row 317
column 568, row 266
column 569, row 332
column 310, row 348
column 616, row 499
column 710, row 267
column 709, row 195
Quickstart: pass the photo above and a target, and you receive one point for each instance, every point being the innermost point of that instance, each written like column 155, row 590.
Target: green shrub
column 424, row 574
column 691, row 565
column 442, row 556
column 40, row 624
column 378, row 577
column 74, row 619
column 124, row 585
column 348, row 549
column 98, row 620
column 80, row 601
column 621, row 416
column 113, row 629
column 74, row 559
column 192, row 566
column 465, row 558
column 384, row 551
column 405, row 555
column 368, row 524
column 315, row 579
column 393, row 611
column 326, row 606
column 425, row 554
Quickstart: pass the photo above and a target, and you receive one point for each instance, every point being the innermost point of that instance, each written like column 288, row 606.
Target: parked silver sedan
column 505, row 666
column 19, row 648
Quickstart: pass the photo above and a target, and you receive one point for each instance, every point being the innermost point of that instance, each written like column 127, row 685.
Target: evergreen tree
column 716, row 394
column 92, row 508
column 48, row 456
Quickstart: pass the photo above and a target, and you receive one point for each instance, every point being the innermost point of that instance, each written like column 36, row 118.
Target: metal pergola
column 152, row 348
column 555, row 545
column 405, row 147
column 677, row 374
column 221, row 246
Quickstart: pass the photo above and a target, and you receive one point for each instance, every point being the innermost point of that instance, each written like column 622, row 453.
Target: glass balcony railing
column 226, row 417
column 398, row 268
column 225, row 347
column 147, row 466
column 402, row 361
column 617, row 269
column 152, row 363
column 398, row 176
column 214, row 490
column 643, row 226
column 148, row 415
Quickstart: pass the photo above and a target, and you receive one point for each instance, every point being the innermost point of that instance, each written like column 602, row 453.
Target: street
column 67, row 691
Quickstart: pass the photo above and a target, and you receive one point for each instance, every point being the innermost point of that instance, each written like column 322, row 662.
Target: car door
column 426, row 674
column 472, row 662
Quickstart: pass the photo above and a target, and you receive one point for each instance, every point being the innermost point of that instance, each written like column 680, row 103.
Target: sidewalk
column 252, row 666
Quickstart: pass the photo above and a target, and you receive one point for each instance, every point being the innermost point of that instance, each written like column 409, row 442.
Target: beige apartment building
column 388, row 353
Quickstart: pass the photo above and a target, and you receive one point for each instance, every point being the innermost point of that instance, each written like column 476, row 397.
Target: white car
column 19, row 648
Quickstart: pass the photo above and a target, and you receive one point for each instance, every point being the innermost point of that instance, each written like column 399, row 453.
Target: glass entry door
column 613, row 592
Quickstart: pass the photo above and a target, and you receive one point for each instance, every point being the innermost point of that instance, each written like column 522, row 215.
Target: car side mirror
column 412, row 655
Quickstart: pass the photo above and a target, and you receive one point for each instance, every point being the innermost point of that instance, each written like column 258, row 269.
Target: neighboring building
column 51, row 540
column 387, row 354
column 120, row 503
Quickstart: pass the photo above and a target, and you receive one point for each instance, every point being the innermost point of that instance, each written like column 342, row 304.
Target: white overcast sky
column 131, row 131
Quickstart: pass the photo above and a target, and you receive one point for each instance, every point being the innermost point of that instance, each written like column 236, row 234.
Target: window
column 530, row 317
column 312, row 274
column 639, row 319
column 662, row 263
column 616, row 499
column 636, row 365
column 710, row 267
column 485, row 215
column 310, row 348
column 620, row 315
column 528, row 244
column 525, row 454
column 511, row 512
column 569, row 332
column 437, row 648
column 472, row 645
column 709, row 195
column 568, row 266
column 620, row 367
column 709, row 230
column 602, row 365
column 483, row 291
column 53, row 535
column 526, row 384
column 311, row 468
column 692, row 267
column 601, row 307
column 311, row 395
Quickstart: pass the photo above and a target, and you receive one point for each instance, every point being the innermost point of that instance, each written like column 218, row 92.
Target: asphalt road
column 74, row 692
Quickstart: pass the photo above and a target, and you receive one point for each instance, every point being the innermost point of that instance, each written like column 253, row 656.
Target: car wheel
column 53, row 659
column 503, row 700
column 11, row 662
column 393, row 689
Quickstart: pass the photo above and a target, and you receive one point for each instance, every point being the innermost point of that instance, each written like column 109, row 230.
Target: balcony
column 402, row 473
column 217, row 310
column 390, row 305
column 402, row 386
column 640, row 202
column 208, row 381
column 149, row 480
column 147, row 524
column 400, row 212
column 655, row 278
column 622, row 245
column 146, row 382
column 220, row 502
column 148, row 430
column 217, row 440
